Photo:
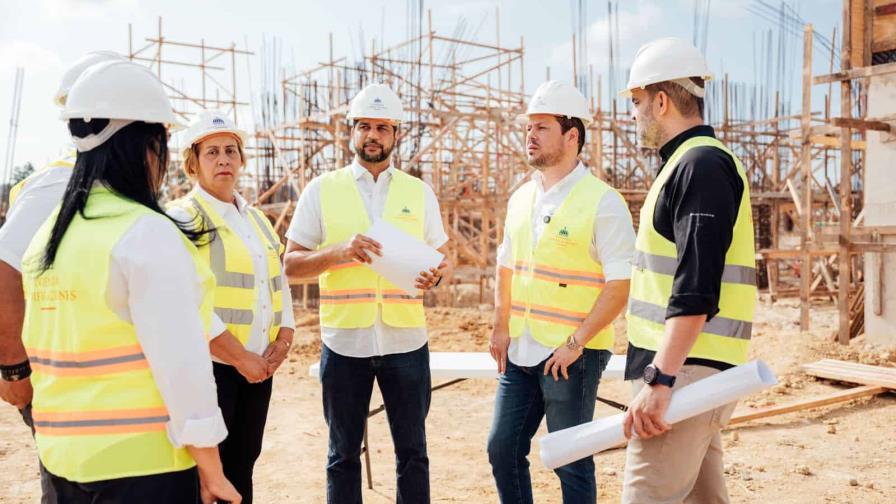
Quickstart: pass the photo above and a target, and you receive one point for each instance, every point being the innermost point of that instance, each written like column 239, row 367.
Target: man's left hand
column 562, row 358
column 646, row 412
column 428, row 279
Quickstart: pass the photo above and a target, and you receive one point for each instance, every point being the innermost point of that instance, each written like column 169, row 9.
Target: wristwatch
column 16, row 372
column 653, row 376
column 574, row 345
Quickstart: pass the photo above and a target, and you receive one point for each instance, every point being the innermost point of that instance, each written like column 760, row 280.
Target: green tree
column 19, row 173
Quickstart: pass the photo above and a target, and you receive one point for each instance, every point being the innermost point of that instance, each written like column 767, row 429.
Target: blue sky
column 44, row 36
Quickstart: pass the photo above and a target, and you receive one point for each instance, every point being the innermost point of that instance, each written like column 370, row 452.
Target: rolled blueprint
column 568, row 445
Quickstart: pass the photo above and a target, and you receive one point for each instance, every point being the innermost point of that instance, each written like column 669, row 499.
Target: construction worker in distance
column 370, row 328
column 252, row 324
column 562, row 278
column 117, row 307
column 30, row 203
column 693, row 280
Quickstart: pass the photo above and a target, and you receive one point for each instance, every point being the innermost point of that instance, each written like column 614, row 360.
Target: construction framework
column 461, row 136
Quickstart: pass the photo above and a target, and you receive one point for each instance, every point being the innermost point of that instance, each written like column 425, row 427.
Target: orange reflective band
column 347, row 296
column 72, row 423
column 394, row 296
column 559, row 275
column 97, row 362
column 550, row 314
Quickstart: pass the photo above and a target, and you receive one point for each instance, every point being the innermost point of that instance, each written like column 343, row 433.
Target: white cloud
column 33, row 57
column 87, row 9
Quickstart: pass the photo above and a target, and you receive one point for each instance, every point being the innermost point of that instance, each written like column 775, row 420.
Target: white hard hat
column 376, row 101
column 559, row 99
column 208, row 123
column 667, row 59
column 119, row 90
column 77, row 68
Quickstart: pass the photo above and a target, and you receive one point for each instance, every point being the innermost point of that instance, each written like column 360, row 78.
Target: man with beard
column 563, row 276
column 693, row 281
column 369, row 327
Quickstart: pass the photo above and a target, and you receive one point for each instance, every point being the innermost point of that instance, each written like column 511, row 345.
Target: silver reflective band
column 719, row 326
column 274, row 242
column 218, row 261
column 101, row 423
column 564, row 276
column 276, row 284
column 664, row 265
column 86, row 364
column 335, row 297
column 278, row 318
column 234, row 316
column 400, row 296
column 556, row 315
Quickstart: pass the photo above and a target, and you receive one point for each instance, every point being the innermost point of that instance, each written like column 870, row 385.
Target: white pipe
column 568, row 445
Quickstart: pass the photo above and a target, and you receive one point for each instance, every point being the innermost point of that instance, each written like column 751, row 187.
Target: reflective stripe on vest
column 725, row 337
column 235, row 296
column 351, row 292
column 556, row 281
column 96, row 403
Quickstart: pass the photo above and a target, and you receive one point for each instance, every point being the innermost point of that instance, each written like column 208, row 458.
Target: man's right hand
column 498, row 345
column 17, row 393
column 359, row 249
column 253, row 367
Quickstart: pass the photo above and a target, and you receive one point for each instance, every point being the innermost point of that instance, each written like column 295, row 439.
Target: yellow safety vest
column 236, row 296
column 556, row 282
column 351, row 293
column 67, row 161
column 98, row 413
column 726, row 337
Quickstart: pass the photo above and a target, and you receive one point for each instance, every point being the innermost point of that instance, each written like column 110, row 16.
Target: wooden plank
column 856, row 73
column 817, row 402
column 862, row 124
column 852, row 372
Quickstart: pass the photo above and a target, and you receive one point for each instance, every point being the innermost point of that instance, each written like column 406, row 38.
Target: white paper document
column 568, row 445
column 404, row 256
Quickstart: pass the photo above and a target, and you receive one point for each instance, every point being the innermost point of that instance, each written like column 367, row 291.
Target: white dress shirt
column 238, row 220
column 307, row 230
column 612, row 245
column 34, row 204
column 153, row 285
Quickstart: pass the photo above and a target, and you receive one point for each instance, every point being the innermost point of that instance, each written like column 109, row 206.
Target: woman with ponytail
column 117, row 313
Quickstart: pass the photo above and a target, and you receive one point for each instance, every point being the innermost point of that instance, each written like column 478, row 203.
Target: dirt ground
column 842, row 453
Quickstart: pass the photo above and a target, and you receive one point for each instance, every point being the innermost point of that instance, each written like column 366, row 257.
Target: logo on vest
column 406, row 210
column 407, row 215
column 561, row 239
column 564, row 233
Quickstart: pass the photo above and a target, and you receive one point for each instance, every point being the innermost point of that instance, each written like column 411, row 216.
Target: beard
column 545, row 159
column 383, row 154
column 649, row 133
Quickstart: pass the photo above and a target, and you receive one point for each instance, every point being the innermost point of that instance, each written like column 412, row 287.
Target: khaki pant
column 685, row 463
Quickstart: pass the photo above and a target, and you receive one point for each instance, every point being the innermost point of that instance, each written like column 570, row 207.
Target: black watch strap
column 654, row 376
column 16, row 372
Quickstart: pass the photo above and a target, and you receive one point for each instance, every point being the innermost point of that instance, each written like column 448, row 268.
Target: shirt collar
column 359, row 171
column 222, row 207
column 571, row 178
column 669, row 147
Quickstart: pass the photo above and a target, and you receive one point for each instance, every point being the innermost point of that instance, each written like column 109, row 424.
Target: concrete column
column 880, row 210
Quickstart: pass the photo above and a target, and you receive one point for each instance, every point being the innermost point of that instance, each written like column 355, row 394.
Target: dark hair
column 685, row 102
column 120, row 164
column 567, row 123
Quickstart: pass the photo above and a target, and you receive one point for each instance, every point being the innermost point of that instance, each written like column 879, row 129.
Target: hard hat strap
column 90, row 142
column 689, row 85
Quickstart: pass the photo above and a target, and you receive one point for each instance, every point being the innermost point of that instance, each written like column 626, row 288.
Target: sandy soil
column 842, row 453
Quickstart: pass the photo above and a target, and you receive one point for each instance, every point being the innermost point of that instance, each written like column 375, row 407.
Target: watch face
column 649, row 374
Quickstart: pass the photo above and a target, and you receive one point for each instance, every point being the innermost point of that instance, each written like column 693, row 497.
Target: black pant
column 405, row 384
column 245, row 409
column 47, row 495
column 181, row 487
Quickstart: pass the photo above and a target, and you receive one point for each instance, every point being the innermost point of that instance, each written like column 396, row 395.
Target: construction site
column 824, row 214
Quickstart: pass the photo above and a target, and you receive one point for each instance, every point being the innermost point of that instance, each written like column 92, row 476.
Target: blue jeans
column 406, row 386
column 523, row 398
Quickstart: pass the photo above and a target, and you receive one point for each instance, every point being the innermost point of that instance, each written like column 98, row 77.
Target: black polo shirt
column 696, row 209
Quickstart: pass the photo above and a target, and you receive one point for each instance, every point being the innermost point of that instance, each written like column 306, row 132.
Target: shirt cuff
column 217, row 327
column 304, row 240
column 201, row 432
column 683, row 305
column 11, row 258
column 617, row 270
